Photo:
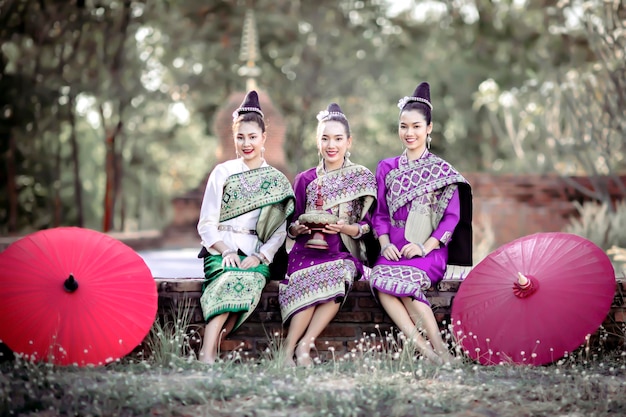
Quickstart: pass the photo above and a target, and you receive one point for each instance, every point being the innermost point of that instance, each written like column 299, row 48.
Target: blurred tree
column 67, row 72
column 473, row 41
column 137, row 84
column 589, row 104
column 32, row 66
column 571, row 119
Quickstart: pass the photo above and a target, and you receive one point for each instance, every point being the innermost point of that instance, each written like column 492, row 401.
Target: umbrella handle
column 523, row 281
column 70, row 284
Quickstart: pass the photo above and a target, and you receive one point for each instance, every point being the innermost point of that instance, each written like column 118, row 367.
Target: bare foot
column 304, row 360
column 428, row 352
column 206, row 359
column 289, row 362
column 433, row 358
column 446, row 357
column 303, row 357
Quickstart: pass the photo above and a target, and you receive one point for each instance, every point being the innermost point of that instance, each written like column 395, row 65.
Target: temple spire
column 249, row 52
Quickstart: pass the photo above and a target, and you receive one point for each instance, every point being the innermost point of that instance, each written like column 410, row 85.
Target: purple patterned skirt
column 409, row 277
column 316, row 277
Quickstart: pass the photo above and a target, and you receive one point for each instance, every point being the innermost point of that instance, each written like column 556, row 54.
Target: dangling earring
column 428, row 140
column 237, row 153
column 347, row 154
column 263, row 152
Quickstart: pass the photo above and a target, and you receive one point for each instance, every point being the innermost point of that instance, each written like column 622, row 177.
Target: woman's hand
column 297, row 229
column 390, row 252
column 250, row 262
column 350, row 229
column 340, row 227
column 231, row 259
column 411, row 250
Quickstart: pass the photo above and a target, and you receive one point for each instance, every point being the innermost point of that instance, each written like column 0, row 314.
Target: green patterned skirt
column 231, row 290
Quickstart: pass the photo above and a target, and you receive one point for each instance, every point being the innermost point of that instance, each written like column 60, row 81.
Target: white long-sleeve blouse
column 210, row 214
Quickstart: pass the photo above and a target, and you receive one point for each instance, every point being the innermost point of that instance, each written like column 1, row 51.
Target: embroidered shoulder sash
column 264, row 188
column 349, row 193
column 423, row 181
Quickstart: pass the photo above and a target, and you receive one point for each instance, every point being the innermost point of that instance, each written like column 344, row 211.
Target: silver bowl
column 316, row 221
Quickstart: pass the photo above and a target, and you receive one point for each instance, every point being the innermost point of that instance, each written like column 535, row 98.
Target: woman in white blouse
column 242, row 225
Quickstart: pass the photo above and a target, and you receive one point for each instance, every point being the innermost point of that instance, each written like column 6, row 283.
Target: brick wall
column 360, row 315
column 513, row 206
column 507, row 206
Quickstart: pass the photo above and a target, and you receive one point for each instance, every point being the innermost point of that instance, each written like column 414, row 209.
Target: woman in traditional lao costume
column 423, row 221
column 242, row 224
column 320, row 272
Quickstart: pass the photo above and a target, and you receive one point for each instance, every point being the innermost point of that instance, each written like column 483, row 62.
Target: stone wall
column 360, row 316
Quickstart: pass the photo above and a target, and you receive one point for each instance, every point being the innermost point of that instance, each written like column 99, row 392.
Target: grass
column 340, row 388
column 379, row 377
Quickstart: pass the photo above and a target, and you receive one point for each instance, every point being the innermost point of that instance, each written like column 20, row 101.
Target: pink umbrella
column 533, row 300
column 74, row 296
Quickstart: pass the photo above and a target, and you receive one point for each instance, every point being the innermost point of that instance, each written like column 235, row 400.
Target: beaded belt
column 235, row 229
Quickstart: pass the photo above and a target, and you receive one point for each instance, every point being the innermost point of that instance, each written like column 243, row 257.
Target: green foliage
column 568, row 116
column 71, row 74
column 600, row 223
column 171, row 339
column 605, row 226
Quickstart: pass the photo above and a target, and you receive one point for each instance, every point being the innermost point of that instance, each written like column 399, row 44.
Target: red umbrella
column 533, row 300
column 74, row 296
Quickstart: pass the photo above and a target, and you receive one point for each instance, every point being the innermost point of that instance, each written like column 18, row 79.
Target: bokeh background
column 107, row 108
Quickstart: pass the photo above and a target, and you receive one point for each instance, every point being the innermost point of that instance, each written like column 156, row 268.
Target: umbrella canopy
column 533, row 300
column 74, row 296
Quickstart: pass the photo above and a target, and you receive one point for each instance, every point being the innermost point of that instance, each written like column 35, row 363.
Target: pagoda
column 186, row 208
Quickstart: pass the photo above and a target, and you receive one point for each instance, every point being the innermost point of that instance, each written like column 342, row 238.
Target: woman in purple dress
column 318, row 279
column 423, row 222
